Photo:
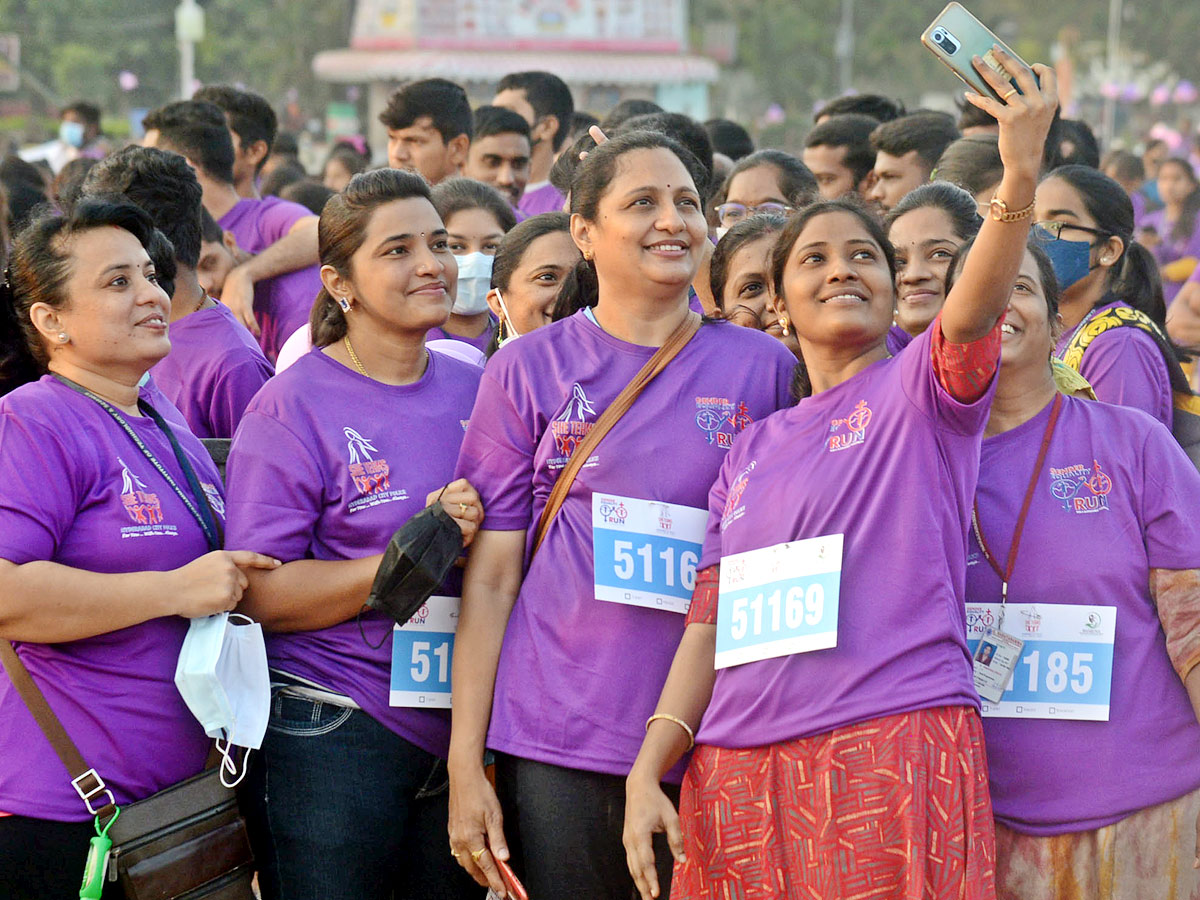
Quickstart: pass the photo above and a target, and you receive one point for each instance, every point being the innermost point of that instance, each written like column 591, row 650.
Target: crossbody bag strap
column 87, row 783
column 668, row 351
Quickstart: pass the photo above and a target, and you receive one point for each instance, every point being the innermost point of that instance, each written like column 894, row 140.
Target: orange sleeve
column 703, row 610
column 965, row 370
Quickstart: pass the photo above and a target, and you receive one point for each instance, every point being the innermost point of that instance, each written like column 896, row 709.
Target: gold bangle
column 1000, row 213
column 667, row 717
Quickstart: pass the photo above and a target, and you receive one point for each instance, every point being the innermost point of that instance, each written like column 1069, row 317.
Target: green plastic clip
column 96, row 868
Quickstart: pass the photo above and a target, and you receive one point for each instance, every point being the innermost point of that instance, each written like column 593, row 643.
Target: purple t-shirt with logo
column 283, row 303
column 76, row 490
column 1049, row 776
column 212, row 371
column 578, row 676
column 327, row 464
column 889, row 459
column 1125, row 367
column 542, row 199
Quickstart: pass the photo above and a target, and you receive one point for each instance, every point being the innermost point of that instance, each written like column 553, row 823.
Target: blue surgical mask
column 71, row 133
column 1071, row 260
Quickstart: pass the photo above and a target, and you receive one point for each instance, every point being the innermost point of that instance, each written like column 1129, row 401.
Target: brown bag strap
column 87, row 783
column 667, row 352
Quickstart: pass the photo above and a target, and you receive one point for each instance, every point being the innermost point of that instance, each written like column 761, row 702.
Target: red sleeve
column 703, row 610
column 965, row 370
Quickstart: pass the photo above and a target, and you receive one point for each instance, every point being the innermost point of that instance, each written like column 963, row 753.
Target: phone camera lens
column 942, row 38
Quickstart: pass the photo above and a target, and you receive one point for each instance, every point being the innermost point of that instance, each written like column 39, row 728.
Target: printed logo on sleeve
column 215, row 500
column 142, row 506
column 851, row 430
column 1081, row 489
column 734, row 508
column 371, row 476
column 721, row 419
column 571, row 426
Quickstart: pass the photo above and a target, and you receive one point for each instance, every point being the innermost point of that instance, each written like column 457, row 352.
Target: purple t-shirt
column 1050, row 777
column 1169, row 249
column 578, row 676
column 212, row 371
column 283, row 303
column 546, row 198
column 76, row 490
column 897, row 482
column 1125, row 367
column 480, row 342
column 327, row 464
column 897, row 339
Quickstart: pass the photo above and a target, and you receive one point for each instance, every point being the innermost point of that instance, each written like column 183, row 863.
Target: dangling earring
column 783, row 323
column 62, row 337
column 344, row 303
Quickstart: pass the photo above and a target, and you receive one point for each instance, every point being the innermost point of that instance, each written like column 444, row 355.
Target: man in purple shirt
column 429, row 128
column 282, row 275
column 252, row 127
column 544, row 101
column 214, row 367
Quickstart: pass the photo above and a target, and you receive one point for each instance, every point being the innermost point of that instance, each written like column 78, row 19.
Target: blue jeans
column 341, row 807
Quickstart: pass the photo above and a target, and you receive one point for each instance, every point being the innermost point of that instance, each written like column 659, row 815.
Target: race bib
column 422, row 654
column 646, row 551
column 779, row 600
column 1064, row 670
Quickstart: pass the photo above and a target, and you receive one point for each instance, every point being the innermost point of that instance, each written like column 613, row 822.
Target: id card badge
column 995, row 659
column 422, row 655
column 779, row 600
column 646, row 551
column 1064, row 664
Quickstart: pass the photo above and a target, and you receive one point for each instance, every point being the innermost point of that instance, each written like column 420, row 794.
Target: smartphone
column 516, row 890
column 956, row 36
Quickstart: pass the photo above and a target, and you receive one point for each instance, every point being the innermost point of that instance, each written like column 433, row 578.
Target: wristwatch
column 1000, row 211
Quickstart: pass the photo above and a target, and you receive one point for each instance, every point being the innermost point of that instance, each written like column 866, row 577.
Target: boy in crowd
column 253, row 126
column 281, row 280
column 838, row 151
column 500, row 151
column 429, row 128
column 906, row 150
column 544, row 101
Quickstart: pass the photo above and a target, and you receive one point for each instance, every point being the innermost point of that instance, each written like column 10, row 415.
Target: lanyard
column 200, row 509
column 1006, row 573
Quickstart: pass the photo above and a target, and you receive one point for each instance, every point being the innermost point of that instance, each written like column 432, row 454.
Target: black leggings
column 563, row 828
column 42, row 860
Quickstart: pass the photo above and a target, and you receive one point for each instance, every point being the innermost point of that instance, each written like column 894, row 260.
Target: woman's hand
column 477, row 827
column 215, row 582
column 1024, row 116
column 462, row 503
column 648, row 811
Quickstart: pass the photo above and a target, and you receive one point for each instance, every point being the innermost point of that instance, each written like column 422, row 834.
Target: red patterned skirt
column 896, row 807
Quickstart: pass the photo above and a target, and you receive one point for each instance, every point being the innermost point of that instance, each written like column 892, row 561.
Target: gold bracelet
column 667, row 717
column 1000, row 213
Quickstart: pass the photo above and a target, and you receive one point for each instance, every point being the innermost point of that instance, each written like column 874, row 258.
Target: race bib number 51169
column 779, row 600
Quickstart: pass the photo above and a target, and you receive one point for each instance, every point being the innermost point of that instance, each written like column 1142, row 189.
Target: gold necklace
column 354, row 357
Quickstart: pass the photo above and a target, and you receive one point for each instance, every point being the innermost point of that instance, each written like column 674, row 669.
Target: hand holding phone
column 956, row 37
column 513, row 887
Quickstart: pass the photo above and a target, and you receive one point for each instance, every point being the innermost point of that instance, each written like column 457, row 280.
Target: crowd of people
column 824, row 515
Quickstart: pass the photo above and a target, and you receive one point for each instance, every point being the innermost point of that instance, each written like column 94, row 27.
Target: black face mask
column 415, row 564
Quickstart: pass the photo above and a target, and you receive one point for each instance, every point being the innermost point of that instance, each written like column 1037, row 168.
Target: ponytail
column 327, row 321
column 801, row 385
column 1137, row 282
column 580, row 289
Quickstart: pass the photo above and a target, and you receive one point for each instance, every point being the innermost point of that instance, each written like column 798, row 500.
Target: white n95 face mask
column 474, row 282
column 222, row 676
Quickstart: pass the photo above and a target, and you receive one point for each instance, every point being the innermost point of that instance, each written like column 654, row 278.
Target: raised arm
column 980, row 295
column 296, row 250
